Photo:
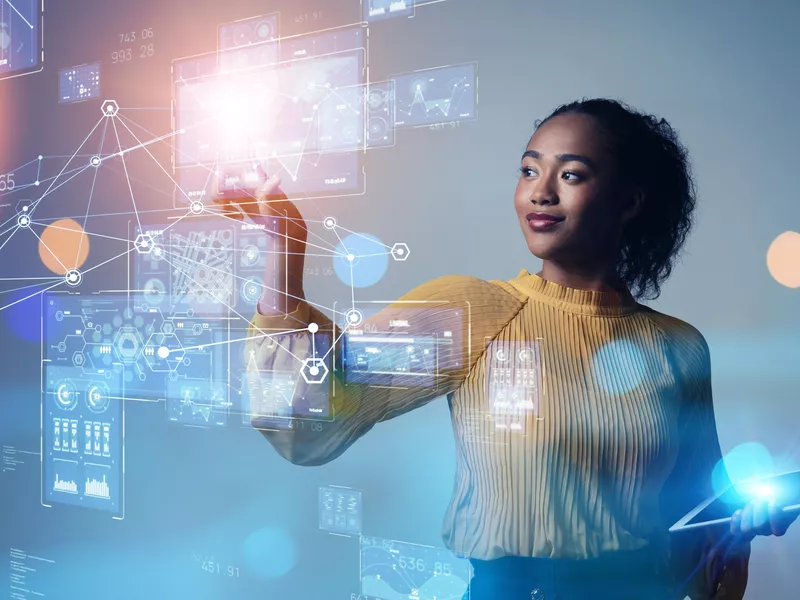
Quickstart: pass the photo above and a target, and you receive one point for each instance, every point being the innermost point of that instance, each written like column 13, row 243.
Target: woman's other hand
column 760, row 518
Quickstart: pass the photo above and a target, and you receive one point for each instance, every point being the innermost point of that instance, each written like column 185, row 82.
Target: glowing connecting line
column 351, row 252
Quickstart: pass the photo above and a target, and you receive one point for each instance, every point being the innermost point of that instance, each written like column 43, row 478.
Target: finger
column 761, row 520
column 747, row 520
column 777, row 522
column 251, row 204
column 736, row 523
column 780, row 521
column 271, row 196
column 257, row 204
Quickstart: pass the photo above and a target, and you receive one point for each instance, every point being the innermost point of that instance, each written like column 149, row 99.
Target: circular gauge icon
column 154, row 291
column 97, row 398
column 264, row 30
column 526, row 355
column 376, row 99
column 349, row 134
column 242, row 35
column 377, row 128
column 5, row 37
column 250, row 255
column 501, row 354
column 251, row 290
column 66, row 395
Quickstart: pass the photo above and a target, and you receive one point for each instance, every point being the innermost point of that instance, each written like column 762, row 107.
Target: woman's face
column 568, row 173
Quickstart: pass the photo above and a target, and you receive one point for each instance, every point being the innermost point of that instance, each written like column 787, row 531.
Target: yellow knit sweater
column 598, row 443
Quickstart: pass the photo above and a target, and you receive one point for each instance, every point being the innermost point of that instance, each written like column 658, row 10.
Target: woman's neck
column 599, row 278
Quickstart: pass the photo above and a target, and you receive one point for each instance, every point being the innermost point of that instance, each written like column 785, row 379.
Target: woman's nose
column 543, row 198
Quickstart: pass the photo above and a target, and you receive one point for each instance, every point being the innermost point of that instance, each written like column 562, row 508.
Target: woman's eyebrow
column 564, row 158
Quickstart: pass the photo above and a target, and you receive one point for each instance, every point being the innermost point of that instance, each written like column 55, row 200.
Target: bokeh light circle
column 783, row 259
column 24, row 312
column 270, row 552
column 606, row 366
column 369, row 264
column 746, row 461
column 63, row 246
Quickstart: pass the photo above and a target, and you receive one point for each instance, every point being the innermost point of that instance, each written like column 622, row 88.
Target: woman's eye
column 526, row 171
column 567, row 175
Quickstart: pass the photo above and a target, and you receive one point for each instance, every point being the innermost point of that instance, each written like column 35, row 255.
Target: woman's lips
column 543, row 224
column 542, row 221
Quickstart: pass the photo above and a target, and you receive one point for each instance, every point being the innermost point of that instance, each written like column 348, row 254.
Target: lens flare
column 783, row 259
column 63, row 246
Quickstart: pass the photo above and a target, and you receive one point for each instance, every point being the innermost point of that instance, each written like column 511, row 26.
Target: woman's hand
column 727, row 563
column 289, row 239
column 760, row 518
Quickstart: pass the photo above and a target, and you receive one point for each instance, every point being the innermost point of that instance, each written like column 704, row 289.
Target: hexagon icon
column 24, row 206
column 314, row 370
column 128, row 343
column 144, row 243
column 163, row 352
column 78, row 359
column 400, row 251
column 110, row 108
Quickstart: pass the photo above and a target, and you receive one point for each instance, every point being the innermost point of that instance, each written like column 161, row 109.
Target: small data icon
column 513, row 384
column 380, row 114
column 21, row 35
column 79, row 83
column 391, row 570
column 376, row 10
column 433, row 96
column 340, row 510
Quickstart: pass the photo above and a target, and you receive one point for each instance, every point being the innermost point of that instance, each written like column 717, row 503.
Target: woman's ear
column 634, row 204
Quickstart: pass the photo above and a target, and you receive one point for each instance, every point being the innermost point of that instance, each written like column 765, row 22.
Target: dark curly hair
column 649, row 156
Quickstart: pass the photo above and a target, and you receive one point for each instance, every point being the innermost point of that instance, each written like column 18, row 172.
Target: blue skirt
column 616, row 576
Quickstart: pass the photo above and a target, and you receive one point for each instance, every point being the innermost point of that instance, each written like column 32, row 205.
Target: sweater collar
column 575, row 300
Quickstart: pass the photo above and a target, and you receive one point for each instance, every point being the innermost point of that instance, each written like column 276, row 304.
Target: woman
column 570, row 493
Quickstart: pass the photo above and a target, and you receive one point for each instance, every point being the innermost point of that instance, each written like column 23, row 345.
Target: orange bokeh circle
column 783, row 259
column 63, row 246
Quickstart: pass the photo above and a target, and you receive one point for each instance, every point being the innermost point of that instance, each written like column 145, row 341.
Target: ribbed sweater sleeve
column 356, row 408
column 690, row 482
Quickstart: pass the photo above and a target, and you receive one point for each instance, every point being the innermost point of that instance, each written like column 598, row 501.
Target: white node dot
column 35, row 183
column 314, row 371
column 163, row 352
column 400, row 251
column 350, row 257
column 313, row 327
column 354, row 317
column 144, row 244
column 41, row 157
column 24, row 209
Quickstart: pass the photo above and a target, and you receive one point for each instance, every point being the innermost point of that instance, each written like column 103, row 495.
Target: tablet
column 783, row 490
